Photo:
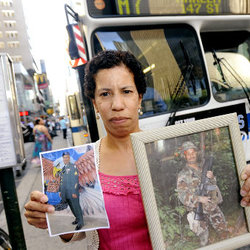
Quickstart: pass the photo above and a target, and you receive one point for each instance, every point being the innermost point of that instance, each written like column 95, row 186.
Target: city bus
column 195, row 55
column 77, row 119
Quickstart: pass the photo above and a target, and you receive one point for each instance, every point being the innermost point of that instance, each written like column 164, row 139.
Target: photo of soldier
column 195, row 181
column 71, row 183
column 69, row 189
column 198, row 191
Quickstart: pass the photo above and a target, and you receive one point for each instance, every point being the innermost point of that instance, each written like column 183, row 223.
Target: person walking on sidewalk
column 43, row 140
column 63, row 125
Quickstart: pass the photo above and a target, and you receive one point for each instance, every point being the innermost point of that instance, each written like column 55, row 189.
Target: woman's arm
column 34, row 129
column 73, row 237
column 66, row 237
column 46, row 132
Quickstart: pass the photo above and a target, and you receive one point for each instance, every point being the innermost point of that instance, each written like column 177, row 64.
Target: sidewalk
column 38, row 239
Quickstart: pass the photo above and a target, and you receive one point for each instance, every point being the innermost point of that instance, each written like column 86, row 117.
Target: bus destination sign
column 98, row 8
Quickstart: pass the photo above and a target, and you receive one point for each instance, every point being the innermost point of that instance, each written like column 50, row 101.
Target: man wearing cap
column 188, row 183
column 69, row 189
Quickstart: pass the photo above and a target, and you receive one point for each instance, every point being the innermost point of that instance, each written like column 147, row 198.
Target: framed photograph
column 70, row 180
column 190, row 182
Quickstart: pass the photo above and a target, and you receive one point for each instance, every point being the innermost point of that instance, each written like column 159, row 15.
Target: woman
column 115, row 83
column 43, row 141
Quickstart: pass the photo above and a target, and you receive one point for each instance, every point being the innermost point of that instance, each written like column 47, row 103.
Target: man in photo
column 69, row 189
column 198, row 192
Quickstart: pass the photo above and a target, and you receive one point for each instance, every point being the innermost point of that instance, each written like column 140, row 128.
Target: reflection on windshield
column 172, row 64
column 229, row 74
column 74, row 111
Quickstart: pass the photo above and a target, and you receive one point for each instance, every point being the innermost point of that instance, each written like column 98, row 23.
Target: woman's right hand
column 36, row 209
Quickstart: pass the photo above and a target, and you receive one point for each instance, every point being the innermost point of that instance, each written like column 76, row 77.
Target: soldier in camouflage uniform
column 188, row 183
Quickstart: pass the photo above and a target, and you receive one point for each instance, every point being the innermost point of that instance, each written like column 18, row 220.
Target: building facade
column 14, row 40
column 13, row 33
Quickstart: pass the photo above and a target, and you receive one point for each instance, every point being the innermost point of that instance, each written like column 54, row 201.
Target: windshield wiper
column 217, row 61
column 180, row 86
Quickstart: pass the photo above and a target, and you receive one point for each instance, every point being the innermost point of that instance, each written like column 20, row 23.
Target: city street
column 30, row 180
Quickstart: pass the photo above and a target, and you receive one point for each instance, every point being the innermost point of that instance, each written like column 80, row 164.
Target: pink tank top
column 123, row 203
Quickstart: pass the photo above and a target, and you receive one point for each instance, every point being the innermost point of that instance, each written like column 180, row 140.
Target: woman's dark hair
column 37, row 121
column 108, row 59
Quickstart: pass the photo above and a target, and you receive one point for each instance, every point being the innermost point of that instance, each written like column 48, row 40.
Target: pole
column 11, row 208
column 88, row 107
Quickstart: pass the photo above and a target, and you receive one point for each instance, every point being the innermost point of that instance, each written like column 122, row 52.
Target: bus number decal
column 241, row 121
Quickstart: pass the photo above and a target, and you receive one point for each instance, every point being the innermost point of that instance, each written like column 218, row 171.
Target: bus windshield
column 228, row 64
column 172, row 63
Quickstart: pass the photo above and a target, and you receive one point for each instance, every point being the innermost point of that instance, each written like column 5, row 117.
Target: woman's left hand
column 245, row 190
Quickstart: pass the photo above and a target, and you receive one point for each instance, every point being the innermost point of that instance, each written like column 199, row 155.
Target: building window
column 2, row 45
column 8, row 13
column 16, row 58
column 10, row 3
column 1, row 34
column 13, row 44
column 6, row 3
column 10, row 24
column 11, row 34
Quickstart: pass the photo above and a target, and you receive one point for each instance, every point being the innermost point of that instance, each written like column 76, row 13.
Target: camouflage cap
column 188, row 145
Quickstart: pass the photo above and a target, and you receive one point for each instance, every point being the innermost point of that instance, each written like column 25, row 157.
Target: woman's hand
column 36, row 209
column 245, row 190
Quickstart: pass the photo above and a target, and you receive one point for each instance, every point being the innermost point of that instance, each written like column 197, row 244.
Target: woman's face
column 117, row 100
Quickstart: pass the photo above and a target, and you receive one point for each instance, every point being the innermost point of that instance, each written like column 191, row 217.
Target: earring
column 140, row 112
column 97, row 116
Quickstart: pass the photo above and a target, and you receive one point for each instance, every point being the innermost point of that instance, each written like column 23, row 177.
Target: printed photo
column 196, row 189
column 189, row 178
column 71, row 182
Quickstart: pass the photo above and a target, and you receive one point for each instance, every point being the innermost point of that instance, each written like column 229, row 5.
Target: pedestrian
column 85, row 123
column 25, row 131
column 30, row 123
column 203, row 210
column 43, row 140
column 115, row 82
column 69, row 189
column 63, row 126
column 30, row 126
column 53, row 127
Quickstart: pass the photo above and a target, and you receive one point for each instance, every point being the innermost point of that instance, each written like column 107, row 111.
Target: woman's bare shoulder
column 41, row 128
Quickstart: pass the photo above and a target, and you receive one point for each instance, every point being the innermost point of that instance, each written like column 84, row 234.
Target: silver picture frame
column 148, row 144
